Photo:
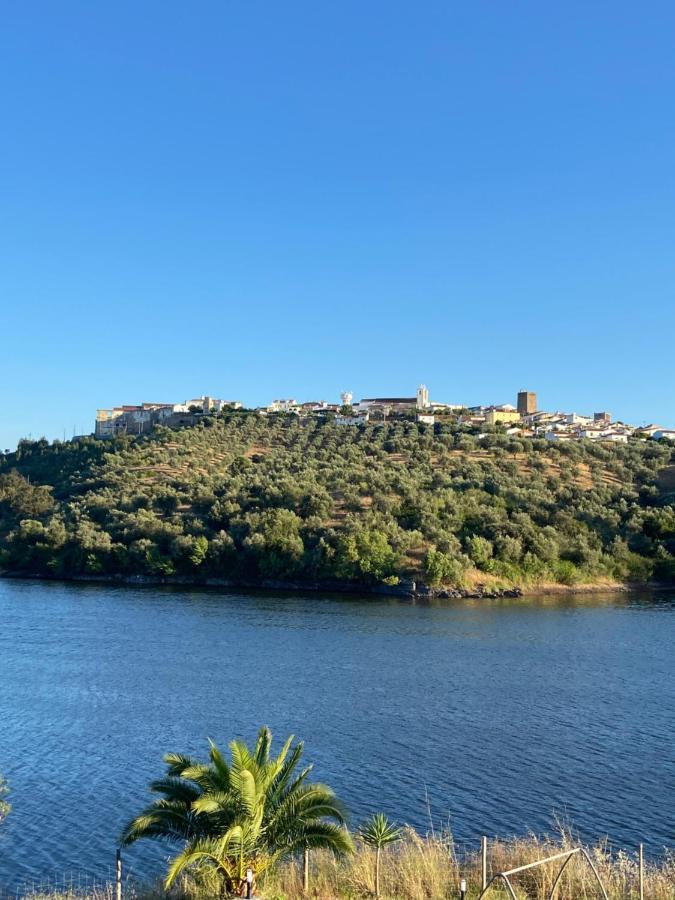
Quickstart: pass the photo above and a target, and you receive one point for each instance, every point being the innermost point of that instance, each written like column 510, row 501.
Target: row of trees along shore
column 248, row 499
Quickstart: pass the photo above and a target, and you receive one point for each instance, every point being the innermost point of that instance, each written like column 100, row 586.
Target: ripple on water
column 490, row 716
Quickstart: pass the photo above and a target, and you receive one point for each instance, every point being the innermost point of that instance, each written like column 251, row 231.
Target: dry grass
column 430, row 868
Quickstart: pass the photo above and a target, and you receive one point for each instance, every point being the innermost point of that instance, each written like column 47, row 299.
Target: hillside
column 251, row 499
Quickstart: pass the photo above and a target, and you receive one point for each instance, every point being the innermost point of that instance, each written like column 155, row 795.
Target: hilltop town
column 524, row 420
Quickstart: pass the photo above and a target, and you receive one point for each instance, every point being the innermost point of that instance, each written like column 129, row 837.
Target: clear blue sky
column 261, row 199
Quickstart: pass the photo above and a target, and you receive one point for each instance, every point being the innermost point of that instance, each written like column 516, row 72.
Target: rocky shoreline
column 481, row 592
column 406, row 588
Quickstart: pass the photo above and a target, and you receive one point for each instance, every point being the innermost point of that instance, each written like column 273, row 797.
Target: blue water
column 490, row 716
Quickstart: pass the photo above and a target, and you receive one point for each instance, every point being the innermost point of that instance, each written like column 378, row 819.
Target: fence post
column 641, row 862
column 305, row 871
column 118, row 874
column 483, row 862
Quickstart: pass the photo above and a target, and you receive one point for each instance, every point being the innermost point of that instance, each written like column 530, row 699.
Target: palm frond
column 282, row 779
column 177, row 762
column 245, row 789
column 241, row 756
column 318, row 836
column 216, row 802
column 175, row 788
column 200, row 773
column 193, row 855
column 219, row 764
column 309, row 801
column 164, row 819
column 262, row 746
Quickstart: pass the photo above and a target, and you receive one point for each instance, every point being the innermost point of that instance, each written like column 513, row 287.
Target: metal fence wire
column 66, row 886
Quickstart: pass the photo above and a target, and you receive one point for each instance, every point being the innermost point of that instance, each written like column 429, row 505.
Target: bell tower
column 422, row 397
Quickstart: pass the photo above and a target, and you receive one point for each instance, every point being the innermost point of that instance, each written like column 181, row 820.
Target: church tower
column 422, row 397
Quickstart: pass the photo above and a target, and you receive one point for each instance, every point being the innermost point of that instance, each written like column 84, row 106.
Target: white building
column 450, row 407
column 422, row 397
column 576, row 419
column 651, row 430
column 352, row 420
column 603, row 434
column 283, row 406
column 560, row 436
column 616, row 437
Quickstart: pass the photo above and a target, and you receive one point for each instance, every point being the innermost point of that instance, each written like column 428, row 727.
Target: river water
column 490, row 717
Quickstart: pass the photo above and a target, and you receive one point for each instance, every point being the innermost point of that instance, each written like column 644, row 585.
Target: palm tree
column 377, row 832
column 245, row 813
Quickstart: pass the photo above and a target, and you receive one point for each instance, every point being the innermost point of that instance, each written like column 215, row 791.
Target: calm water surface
column 492, row 716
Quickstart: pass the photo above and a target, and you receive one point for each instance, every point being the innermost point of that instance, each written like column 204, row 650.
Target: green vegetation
column 5, row 807
column 248, row 813
column 250, row 499
column 378, row 832
column 430, row 868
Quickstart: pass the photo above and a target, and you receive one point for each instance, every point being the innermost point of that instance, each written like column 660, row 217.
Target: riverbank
column 405, row 588
column 430, row 868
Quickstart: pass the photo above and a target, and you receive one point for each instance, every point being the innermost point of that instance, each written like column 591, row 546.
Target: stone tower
column 527, row 403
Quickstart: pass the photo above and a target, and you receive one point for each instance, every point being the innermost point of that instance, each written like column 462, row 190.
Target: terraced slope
column 249, row 499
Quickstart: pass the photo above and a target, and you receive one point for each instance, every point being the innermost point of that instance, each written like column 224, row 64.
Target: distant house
column 650, row 430
column 560, row 436
column 386, row 406
column 603, row 434
column 665, row 434
column 390, row 404
column 501, row 416
column 128, row 419
column 283, row 406
column 591, row 433
column 538, row 418
column 576, row 419
column 472, row 420
column 352, row 420
column 313, row 406
column 616, row 437
column 142, row 418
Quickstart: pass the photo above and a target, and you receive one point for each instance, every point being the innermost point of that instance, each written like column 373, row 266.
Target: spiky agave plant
column 248, row 812
column 377, row 832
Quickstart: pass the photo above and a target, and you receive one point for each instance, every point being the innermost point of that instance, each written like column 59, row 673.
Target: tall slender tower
column 422, row 397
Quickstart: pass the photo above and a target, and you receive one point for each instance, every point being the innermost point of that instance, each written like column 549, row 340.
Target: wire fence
column 67, row 886
column 488, row 858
